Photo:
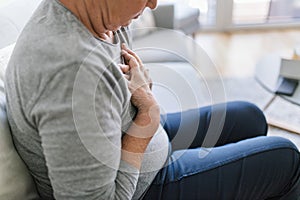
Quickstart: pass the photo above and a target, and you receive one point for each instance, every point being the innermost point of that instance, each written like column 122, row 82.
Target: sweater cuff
column 126, row 181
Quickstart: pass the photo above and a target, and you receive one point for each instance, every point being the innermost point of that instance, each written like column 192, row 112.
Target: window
column 232, row 14
column 250, row 11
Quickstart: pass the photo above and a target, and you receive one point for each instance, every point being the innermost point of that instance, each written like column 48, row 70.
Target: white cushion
column 15, row 180
column 14, row 14
column 5, row 54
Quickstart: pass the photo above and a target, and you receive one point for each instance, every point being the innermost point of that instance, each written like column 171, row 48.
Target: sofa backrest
column 15, row 180
column 13, row 16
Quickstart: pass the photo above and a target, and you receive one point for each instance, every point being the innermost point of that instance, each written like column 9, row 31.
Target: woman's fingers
column 127, row 77
column 124, row 47
column 125, row 68
column 133, row 58
column 136, row 68
column 130, row 59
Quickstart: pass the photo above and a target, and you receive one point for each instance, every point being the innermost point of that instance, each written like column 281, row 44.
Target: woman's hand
column 139, row 81
column 126, row 68
column 147, row 120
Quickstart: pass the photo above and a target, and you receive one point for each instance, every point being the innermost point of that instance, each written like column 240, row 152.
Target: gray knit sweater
column 68, row 106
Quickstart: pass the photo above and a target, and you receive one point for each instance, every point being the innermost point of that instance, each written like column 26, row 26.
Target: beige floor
column 235, row 54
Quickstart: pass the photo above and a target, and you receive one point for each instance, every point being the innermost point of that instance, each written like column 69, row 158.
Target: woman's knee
column 249, row 115
column 276, row 161
column 287, row 157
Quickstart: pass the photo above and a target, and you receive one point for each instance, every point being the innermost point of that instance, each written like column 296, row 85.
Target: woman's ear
column 151, row 4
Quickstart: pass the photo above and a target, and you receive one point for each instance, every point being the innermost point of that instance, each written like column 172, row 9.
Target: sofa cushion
column 15, row 181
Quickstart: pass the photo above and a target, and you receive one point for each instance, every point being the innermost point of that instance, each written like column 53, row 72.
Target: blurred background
column 237, row 14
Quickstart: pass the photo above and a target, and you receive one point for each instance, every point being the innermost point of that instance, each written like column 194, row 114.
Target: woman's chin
column 127, row 23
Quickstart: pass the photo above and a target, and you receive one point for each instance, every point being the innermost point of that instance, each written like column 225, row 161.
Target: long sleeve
column 66, row 123
column 79, row 119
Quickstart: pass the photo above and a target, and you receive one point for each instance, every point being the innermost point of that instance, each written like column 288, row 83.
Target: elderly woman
column 85, row 121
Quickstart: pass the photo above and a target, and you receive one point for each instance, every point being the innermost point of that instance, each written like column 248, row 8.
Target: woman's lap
column 242, row 120
column 254, row 168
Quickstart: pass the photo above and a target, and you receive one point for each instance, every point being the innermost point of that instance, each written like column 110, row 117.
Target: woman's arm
column 147, row 120
column 80, row 124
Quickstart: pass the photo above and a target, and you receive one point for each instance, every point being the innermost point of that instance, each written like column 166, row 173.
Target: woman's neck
column 92, row 14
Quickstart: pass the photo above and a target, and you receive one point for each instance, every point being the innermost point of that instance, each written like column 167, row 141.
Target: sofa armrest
column 164, row 15
column 174, row 46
